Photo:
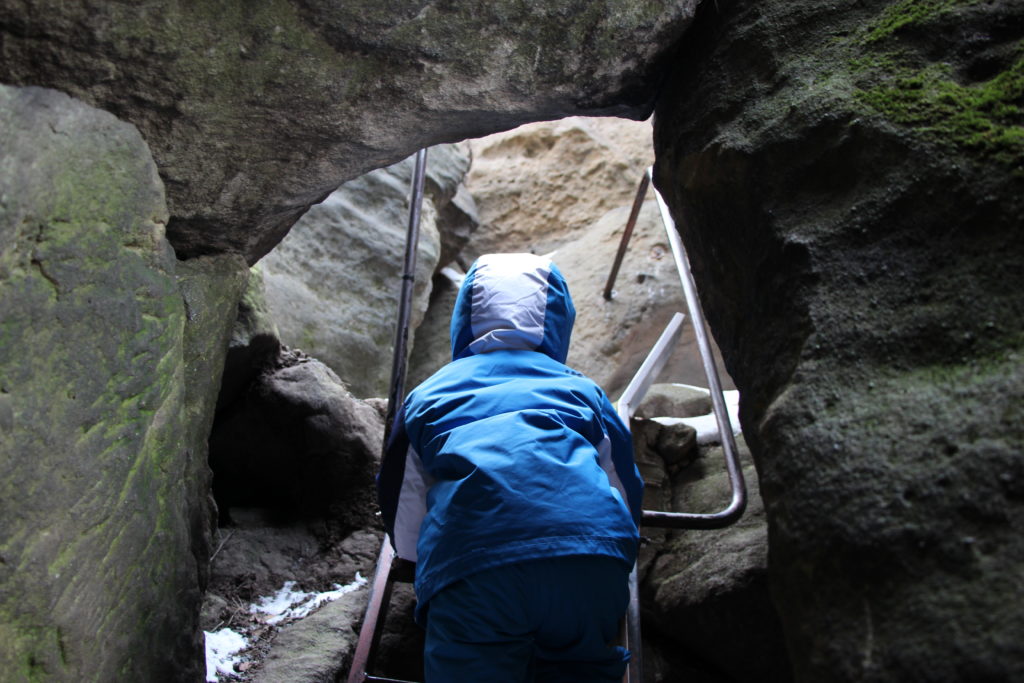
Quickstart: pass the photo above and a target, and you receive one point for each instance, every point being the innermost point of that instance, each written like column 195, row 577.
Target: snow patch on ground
column 289, row 604
column 706, row 425
column 224, row 647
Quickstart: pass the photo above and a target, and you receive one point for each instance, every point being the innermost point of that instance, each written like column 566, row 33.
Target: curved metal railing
column 655, row 361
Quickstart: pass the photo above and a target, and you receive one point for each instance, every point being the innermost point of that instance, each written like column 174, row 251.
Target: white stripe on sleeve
column 412, row 506
column 604, row 450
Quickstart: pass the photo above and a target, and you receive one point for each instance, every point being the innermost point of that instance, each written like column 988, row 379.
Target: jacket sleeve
column 616, row 457
column 402, row 486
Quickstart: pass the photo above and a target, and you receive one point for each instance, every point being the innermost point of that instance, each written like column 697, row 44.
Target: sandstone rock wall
column 848, row 180
column 211, row 287
column 97, row 578
column 333, row 284
column 540, row 186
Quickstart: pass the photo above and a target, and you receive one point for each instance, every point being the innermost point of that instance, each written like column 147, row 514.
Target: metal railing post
column 380, row 590
column 627, row 233
column 412, row 238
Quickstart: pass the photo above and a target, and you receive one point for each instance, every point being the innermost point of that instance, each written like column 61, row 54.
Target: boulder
column 319, row 648
column 333, row 284
column 707, row 591
column 97, row 576
column 848, row 181
column 674, row 400
column 256, row 112
column 300, row 443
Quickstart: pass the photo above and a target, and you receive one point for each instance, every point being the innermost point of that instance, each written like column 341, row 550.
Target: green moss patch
column 907, row 12
column 985, row 118
column 932, row 98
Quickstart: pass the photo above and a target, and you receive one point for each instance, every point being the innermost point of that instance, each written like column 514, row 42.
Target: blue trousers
column 541, row 620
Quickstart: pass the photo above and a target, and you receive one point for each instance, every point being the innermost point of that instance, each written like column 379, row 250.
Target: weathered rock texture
column 255, row 112
column 210, row 287
column 254, row 343
column 706, row 592
column 257, row 556
column 333, row 284
column 541, row 185
column 433, row 347
column 612, row 338
column 848, row 179
column 97, row 580
column 319, row 648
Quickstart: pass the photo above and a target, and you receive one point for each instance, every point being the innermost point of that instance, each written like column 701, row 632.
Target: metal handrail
column 412, row 237
column 385, row 575
column 657, row 358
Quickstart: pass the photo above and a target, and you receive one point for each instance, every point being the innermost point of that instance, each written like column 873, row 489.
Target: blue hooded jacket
column 506, row 454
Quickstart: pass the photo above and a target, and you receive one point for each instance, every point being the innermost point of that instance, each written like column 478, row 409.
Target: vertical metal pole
column 380, row 591
column 638, row 203
column 412, row 238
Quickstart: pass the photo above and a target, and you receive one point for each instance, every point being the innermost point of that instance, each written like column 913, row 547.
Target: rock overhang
column 256, row 112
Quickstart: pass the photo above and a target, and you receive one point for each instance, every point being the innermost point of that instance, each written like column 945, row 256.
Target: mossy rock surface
column 97, row 581
column 848, row 181
column 211, row 288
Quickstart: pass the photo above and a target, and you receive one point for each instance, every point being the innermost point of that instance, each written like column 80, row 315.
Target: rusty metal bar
column 376, row 612
column 627, row 234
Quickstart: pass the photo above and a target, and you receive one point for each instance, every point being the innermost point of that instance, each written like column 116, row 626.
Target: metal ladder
column 391, row 569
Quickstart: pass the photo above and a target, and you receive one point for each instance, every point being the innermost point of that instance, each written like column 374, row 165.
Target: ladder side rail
column 376, row 612
column 635, row 667
column 625, row 406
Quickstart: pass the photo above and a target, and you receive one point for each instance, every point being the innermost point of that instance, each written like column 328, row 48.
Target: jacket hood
column 513, row 301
